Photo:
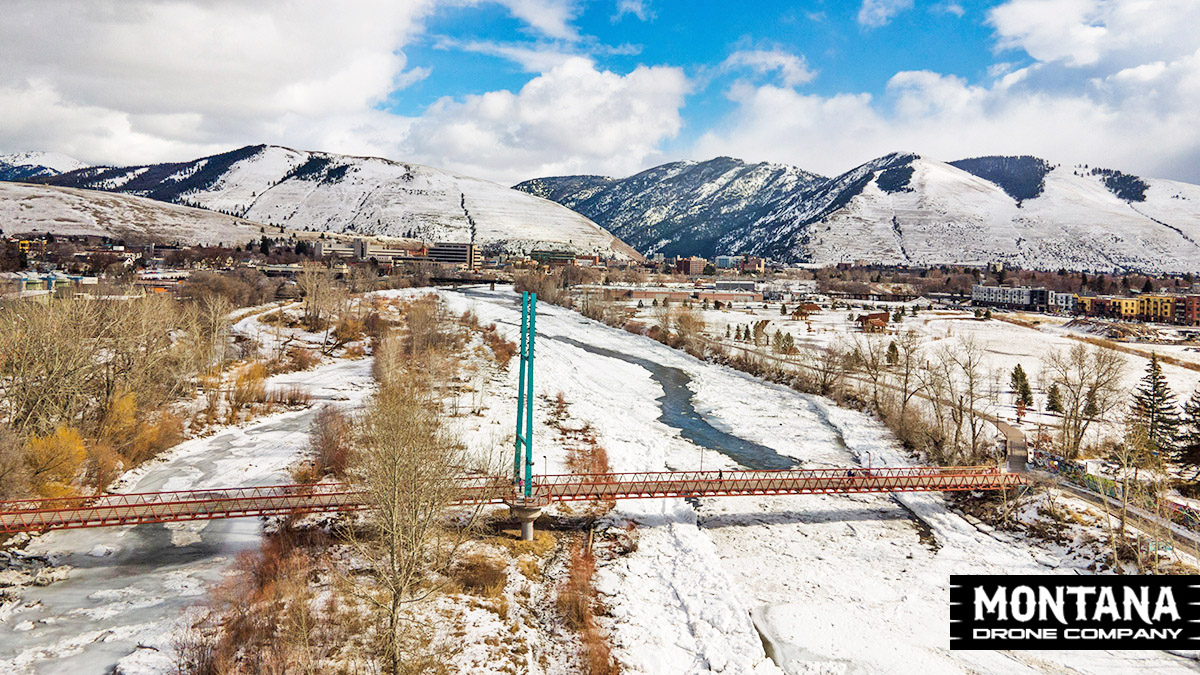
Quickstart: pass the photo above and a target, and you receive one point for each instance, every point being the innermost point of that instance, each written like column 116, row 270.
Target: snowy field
column 1005, row 344
column 791, row 584
column 834, row 584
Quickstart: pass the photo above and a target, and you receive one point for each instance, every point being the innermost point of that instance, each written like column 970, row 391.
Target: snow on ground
column 66, row 211
column 850, row 583
column 1006, row 345
column 125, row 600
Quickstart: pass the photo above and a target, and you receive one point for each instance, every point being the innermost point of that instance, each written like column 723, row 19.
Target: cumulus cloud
column 1087, row 32
column 574, row 118
column 142, row 80
column 1110, row 84
column 876, row 13
column 791, row 69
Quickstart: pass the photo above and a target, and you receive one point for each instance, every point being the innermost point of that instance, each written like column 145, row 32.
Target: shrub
column 55, row 460
column 249, row 386
column 294, row 395
column 330, row 440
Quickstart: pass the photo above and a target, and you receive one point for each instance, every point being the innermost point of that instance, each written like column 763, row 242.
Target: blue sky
column 699, row 36
column 513, row 89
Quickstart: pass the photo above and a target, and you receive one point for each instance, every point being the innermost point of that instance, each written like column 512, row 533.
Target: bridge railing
column 178, row 505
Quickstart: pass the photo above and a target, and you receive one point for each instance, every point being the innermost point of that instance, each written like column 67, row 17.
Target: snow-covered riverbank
column 128, row 588
column 833, row 583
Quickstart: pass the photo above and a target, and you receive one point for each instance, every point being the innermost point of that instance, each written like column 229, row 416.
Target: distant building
column 753, row 264
column 691, row 266
column 875, row 322
column 1063, row 303
column 728, row 262
column 463, row 255
column 1011, row 297
column 738, row 285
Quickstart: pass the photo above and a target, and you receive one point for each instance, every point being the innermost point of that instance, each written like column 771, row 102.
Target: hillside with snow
column 316, row 191
column 909, row 209
column 27, row 165
column 681, row 208
column 26, row 208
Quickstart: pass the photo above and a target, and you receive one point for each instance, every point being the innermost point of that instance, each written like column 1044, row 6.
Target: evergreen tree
column 1154, row 406
column 1148, row 287
column 1054, row 399
column 726, row 330
column 1020, row 386
column 1188, row 450
column 893, row 354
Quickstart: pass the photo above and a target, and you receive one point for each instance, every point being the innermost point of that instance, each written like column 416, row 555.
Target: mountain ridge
column 905, row 208
column 320, row 191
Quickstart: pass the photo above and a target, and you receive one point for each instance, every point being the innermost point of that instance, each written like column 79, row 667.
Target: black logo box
column 993, row 612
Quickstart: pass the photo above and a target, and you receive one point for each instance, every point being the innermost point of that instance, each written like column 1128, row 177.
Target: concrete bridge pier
column 525, row 514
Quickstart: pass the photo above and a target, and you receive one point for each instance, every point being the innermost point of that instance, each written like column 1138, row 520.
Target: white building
column 1016, row 297
column 1063, row 302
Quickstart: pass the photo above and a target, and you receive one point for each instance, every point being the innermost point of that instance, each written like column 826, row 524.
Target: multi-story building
column 752, row 263
column 1157, row 308
column 728, row 262
column 691, row 266
column 1063, row 303
column 1187, row 310
column 1011, row 297
column 464, row 255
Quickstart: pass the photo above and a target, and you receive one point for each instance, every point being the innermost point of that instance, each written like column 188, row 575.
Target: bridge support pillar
column 526, row 514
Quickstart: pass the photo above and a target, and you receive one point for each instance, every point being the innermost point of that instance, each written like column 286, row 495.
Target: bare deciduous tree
column 1089, row 385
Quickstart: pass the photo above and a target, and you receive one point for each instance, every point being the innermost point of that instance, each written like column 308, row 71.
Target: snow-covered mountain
column 681, row 208
column 905, row 208
column 319, row 191
column 26, row 208
column 27, row 165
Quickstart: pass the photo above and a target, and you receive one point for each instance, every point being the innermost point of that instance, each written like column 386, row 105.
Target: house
column 875, row 322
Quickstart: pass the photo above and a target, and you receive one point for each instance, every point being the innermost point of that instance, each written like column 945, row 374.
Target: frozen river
column 129, row 587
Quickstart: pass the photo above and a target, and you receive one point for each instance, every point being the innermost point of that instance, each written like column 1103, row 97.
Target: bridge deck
column 157, row 507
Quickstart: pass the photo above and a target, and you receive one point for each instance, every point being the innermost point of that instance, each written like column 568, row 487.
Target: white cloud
column 876, row 13
column 1113, row 82
column 142, row 80
column 1142, row 122
column 551, row 18
column 792, row 69
column 635, row 7
column 1087, row 32
column 574, row 118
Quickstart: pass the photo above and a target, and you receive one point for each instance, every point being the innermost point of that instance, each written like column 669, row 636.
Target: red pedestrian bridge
column 159, row 507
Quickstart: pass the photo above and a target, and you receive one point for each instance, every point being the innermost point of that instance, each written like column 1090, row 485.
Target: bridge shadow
column 712, row 521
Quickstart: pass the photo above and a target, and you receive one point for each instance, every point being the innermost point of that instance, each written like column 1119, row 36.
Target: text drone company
column 1049, row 612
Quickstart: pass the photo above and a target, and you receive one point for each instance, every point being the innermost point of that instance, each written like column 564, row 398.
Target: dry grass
column 249, row 386
column 502, row 350
column 481, row 574
column 543, row 542
column 292, row 396
column 577, row 603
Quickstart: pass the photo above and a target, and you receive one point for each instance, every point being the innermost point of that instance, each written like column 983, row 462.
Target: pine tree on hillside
column 893, row 354
column 1187, row 452
column 1054, row 400
column 1154, row 406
